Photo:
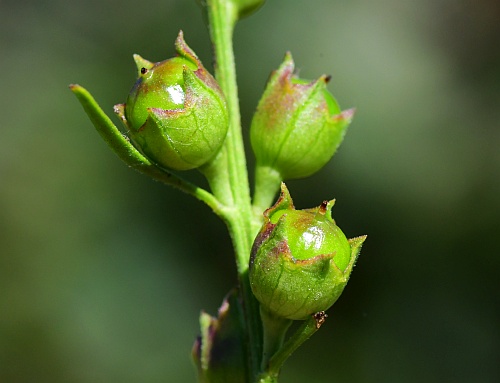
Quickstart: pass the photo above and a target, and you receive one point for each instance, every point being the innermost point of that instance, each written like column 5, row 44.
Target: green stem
column 222, row 17
column 304, row 332
column 275, row 329
column 267, row 184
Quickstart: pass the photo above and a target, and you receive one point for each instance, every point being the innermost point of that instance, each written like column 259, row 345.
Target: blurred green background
column 103, row 272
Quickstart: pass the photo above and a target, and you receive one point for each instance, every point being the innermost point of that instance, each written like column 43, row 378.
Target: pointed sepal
column 218, row 352
column 143, row 65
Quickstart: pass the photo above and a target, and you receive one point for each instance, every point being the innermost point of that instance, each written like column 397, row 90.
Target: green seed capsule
column 175, row 113
column 301, row 260
column 298, row 125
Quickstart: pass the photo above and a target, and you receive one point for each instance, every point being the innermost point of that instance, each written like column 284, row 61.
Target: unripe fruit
column 298, row 125
column 175, row 113
column 300, row 260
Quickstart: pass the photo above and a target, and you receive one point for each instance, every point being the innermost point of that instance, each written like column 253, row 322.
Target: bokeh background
column 103, row 272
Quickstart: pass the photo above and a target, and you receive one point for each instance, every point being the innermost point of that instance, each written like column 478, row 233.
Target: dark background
column 103, row 272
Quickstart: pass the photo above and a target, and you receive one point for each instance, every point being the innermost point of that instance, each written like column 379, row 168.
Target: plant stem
column 304, row 332
column 222, row 17
column 275, row 329
column 267, row 184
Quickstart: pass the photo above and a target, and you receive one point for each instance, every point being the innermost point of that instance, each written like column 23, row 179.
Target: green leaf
column 108, row 131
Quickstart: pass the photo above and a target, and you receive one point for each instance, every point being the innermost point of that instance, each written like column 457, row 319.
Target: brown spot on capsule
column 328, row 78
column 322, row 207
column 320, row 318
column 143, row 70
